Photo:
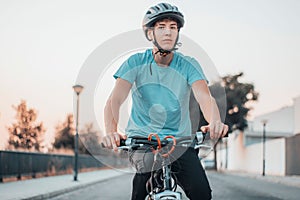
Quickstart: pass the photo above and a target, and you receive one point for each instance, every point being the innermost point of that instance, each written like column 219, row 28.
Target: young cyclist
column 161, row 80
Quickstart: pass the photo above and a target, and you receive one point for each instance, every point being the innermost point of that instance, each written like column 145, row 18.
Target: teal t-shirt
column 160, row 95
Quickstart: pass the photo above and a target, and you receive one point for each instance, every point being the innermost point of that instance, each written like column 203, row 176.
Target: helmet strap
column 161, row 51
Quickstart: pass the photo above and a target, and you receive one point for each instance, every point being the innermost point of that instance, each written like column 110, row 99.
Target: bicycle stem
column 167, row 178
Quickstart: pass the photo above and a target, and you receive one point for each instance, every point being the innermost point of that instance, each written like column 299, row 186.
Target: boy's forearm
column 215, row 110
column 210, row 109
column 109, row 120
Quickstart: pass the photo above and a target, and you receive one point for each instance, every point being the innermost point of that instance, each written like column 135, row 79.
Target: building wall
column 292, row 155
column 282, row 155
column 250, row 158
column 297, row 114
column 236, row 152
column 276, row 157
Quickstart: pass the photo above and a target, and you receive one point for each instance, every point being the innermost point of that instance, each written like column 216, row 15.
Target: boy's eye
column 161, row 27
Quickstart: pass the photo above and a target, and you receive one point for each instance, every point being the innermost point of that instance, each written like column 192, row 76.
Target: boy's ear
column 150, row 34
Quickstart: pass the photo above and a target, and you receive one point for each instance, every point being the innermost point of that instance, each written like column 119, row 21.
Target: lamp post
column 264, row 122
column 77, row 90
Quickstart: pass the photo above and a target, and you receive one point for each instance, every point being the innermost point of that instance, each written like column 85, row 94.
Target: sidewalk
column 43, row 188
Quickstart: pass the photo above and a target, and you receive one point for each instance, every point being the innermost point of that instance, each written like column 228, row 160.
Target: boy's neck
column 162, row 60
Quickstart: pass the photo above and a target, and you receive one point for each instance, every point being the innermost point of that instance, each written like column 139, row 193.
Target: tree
column 238, row 95
column 89, row 142
column 26, row 133
column 64, row 135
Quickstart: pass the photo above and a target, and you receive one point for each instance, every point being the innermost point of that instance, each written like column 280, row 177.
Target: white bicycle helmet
column 159, row 12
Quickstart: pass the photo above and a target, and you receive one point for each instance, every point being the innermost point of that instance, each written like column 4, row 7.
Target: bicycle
column 161, row 185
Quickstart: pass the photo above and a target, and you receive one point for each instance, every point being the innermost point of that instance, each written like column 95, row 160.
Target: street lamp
column 77, row 90
column 264, row 122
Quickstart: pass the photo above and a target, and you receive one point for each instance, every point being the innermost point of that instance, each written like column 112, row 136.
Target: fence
column 18, row 164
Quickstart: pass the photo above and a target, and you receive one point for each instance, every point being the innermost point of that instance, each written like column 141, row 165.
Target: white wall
column 275, row 157
column 297, row 114
column 236, row 153
column 250, row 158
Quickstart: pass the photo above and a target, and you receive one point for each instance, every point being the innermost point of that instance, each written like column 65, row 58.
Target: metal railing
column 18, row 164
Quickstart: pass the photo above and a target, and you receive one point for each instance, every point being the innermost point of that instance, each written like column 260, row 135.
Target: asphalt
column 293, row 180
column 47, row 187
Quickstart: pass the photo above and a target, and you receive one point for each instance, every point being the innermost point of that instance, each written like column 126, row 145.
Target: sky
column 44, row 44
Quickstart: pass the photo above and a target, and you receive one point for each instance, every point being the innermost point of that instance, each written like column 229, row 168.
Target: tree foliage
column 64, row 135
column 89, row 140
column 26, row 133
column 238, row 95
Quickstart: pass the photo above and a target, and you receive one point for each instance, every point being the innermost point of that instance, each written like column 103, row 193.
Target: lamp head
column 78, row 89
column 264, row 121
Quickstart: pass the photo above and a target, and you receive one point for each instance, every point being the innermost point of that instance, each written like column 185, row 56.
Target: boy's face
column 166, row 32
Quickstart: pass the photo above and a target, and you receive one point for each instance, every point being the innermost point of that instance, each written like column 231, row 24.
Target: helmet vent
column 164, row 5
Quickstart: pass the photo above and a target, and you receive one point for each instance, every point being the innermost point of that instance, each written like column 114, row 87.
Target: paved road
column 224, row 186
column 232, row 187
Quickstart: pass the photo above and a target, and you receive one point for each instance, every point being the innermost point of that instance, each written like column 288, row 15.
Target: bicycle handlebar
column 197, row 142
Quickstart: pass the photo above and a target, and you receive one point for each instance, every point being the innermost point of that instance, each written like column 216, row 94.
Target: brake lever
column 198, row 146
column 124, row 148
column 200, row 136
column 135, row 146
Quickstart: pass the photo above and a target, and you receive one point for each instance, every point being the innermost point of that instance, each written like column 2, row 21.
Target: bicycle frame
column 167, row 192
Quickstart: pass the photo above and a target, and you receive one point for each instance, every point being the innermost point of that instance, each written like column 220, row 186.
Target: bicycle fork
column 167, row 177
column 167, row 193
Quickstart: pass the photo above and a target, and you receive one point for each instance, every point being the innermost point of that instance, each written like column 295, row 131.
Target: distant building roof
column 269, row 134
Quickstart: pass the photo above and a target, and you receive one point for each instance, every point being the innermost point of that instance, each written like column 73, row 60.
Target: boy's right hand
column 112, row 140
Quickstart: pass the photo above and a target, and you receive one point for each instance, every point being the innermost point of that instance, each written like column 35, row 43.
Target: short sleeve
column 195, row 72
column 128, row 70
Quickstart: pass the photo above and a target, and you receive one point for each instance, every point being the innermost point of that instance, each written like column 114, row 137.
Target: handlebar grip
column 122, row 142
column 201, row 136
column 126, row 142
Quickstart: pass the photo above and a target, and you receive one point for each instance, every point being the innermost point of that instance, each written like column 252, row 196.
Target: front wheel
column 165, row 195
column 163, row 198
